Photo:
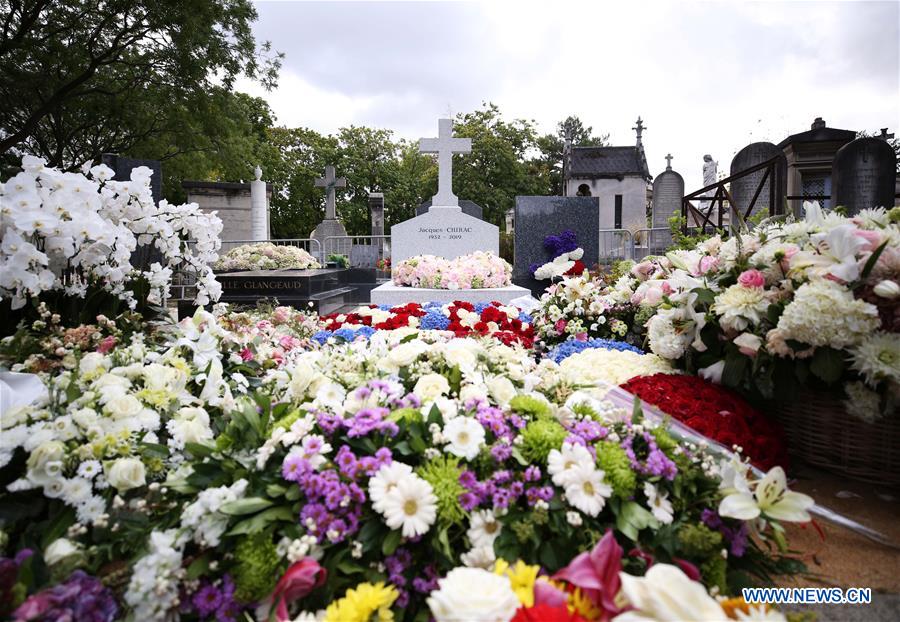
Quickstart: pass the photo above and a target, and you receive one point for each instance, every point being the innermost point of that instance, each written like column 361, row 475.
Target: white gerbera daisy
column 878, row 358
column 658, row 503
column 484, row 528
column 76, row 490
column 561, row 463
column 586, row 490
column 465, row 436
column 89, row 469
column 410, row 506
column 384, row 481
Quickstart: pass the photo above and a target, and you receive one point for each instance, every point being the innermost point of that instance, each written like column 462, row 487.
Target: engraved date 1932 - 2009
column 451, row 233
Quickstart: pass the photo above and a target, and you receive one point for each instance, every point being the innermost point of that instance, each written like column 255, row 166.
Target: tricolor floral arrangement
column 789, row 303
column 190, row 472
column 478, row 270
column 75, row 234
column 506, row 323
column 565, row 257
column 266, row 256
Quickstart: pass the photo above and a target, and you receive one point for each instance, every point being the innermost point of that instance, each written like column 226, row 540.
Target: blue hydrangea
column 434, row 321
column 525, row 318
column 385, row 307
column 568, row 348
column 347, row 334
column 365, row 331
column 322, row 336
column 481, row 306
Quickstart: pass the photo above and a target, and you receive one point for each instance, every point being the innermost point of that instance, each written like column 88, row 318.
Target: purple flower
column 81, row 597
column 501, row 452
column 295, row 467
column 469, row 501
column 207, row 599
column 532, row 474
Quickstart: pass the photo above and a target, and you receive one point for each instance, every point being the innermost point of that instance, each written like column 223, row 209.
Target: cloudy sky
column 706, row 77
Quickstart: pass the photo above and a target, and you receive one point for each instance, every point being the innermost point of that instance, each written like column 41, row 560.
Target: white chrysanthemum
column 560, row 464
column 384, row 480
column 465, row 436
column 91, row 510
column 739, row 306
column 410, row 506
column 659, row 503
column 824, row 313
column 473, row 594
column 76, row 490
column 484, row 529
column 586, row 490
column 596, row 367
column 862, row 402
column 877, row 358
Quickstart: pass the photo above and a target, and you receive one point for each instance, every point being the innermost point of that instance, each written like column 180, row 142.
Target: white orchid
column 770, row 499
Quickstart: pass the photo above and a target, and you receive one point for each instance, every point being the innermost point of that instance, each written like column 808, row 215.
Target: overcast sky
column 706, row 77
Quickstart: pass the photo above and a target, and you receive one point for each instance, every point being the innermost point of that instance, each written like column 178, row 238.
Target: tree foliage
column 83, row 77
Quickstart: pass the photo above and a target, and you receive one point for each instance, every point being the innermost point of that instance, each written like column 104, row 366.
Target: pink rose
column 298, row 581
column 107, row 344
column 560, row 326
column 752, row 278
column 708, row 263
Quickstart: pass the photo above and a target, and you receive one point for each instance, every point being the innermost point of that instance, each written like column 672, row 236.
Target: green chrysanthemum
column 699, row 541
column 257, row 568
column 540, row 437
column 529, row 405
column 443, row 474
column 714, row 572
column 406, row 414
column 614, row 462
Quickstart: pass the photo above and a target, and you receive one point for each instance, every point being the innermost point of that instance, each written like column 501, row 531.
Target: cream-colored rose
column 462, row 353
column 301, row 377
column 472, row 391
column 45, row 462
column 404, row 354
column 192, row 424
column 431, row 386
column 126, row 473
column 501, row 389
column 124, row 406
column 60, row 550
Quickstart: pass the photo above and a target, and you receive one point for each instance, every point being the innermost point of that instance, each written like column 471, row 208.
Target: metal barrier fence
column 615, row 245
column 362, row 251
column 653, row 241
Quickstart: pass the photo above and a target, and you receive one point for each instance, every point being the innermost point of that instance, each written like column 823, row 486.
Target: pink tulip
column 752, row 278
column 597, row 574
column 298, row 581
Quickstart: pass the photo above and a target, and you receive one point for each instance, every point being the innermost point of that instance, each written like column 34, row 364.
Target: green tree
column 80, row 78
column 550, row 146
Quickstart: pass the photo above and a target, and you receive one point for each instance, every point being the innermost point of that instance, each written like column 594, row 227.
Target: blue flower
column 525, row 318
column 568, row 348
column 481, row 306
column 365, row 331
column 322, row 336
column 347, row 334
column 434, row 321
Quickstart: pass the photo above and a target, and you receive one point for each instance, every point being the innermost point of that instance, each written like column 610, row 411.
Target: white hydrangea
column 154, row 586
column 202, row 517
column 824, row 313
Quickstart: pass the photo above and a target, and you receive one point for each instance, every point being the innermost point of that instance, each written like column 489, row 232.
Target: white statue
column 709, row 170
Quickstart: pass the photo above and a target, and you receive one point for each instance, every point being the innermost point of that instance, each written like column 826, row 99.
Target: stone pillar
column 259, row 208
column 376, row 212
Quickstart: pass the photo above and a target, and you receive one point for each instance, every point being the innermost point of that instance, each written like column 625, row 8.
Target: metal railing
column 363, row 251
column 652, row 241
column 615, row 245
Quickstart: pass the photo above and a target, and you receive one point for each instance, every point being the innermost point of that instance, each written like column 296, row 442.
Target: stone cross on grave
column 668, row 161
column 639, row 129
column 445, row 145
column 329, row 182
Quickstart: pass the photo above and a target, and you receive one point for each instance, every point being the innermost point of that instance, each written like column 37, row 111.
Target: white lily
column 771, row 499
column 666, row 593
column 841, row 245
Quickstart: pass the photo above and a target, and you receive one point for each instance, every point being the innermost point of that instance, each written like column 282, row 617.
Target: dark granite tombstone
column 864, row 174
column 122, row 167
column 538, row 217
column 668, row 193
column 468, row 207
column 743, row 189
column 323, row 290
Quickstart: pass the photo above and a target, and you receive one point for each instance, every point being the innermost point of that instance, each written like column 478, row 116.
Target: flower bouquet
column 478, row 270
column 69, row 239
column 266, row 256
column 507, row 324
column 565, row 257
column 192, row 475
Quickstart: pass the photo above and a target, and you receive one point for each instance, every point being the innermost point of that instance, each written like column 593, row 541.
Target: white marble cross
column 445, row 146
column 329, row 182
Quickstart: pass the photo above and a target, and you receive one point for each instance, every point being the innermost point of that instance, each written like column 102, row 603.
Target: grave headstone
column 331, row 227
column 233, row 202
column 864, row 175
column 376, row 212
column 122, row 167
column 668, row 192
column 743, row 189
column 538, row 217
column 468, row 207
column 259, row 208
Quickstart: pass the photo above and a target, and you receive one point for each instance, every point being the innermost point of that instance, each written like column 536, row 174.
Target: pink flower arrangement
column 478, row 270
column 752, row 278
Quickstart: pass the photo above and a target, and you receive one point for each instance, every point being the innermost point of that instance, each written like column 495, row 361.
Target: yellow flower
column 361, row 603
column 522, row 577
column 582, row 605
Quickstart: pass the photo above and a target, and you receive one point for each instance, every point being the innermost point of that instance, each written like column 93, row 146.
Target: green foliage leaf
column 247, row 505
column 828, row 364
column 390, row 543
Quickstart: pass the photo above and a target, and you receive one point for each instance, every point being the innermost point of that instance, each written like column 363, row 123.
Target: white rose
column 501, row 389
column 473, row 594
column 126, row 473
column 301, row 377
column 59, row 550
column 124, row 406
column 91, row 362
column 887, row 289
column 406, row 353
column 431, row 386
column 461, row 353
column 45, row 461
